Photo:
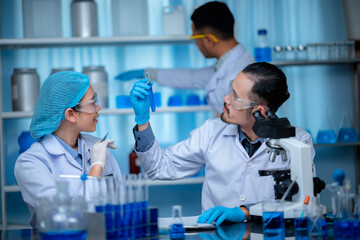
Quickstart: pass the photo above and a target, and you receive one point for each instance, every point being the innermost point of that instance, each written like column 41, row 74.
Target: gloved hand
column 220, row 214
column 140, row 101
column 98, row 152
column 140, row 73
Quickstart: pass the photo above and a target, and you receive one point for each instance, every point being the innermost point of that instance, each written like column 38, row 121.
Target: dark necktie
column 251, row 147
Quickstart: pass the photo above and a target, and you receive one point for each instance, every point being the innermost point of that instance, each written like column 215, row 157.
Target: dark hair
column 215, row 15
column 270, row 84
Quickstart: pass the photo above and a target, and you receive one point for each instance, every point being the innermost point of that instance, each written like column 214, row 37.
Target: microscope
column 277, row 132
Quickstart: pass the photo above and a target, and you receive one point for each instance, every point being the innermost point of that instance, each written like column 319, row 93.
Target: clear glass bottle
column 63, row 221
column 262, row 51
column 301, row 53
column 177, row 230
column 278, row 53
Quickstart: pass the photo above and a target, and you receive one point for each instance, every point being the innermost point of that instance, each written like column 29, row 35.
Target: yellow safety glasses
column 205, row 35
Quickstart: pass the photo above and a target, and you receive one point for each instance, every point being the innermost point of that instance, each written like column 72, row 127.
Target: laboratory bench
column 248, row 230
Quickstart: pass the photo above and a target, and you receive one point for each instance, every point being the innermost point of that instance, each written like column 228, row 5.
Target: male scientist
column 227, row 146
column 213, row 30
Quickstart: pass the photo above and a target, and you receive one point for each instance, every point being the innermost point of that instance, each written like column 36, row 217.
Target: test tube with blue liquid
column 128, row 207
column 151, row 94
column 177, row 230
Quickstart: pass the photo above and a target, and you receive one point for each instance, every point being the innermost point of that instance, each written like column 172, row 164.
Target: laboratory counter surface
column 248, row 230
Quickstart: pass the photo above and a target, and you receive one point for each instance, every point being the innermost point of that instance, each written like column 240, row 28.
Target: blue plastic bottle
column 262, row 51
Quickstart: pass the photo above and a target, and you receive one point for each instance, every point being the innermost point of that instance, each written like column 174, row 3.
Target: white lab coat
column 38, row 169
column 231, row 176
column 216, row 83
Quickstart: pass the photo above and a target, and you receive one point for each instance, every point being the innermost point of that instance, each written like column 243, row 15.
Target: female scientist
column 67, row 105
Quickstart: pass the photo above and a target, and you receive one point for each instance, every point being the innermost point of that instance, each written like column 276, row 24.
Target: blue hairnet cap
column 60, row 91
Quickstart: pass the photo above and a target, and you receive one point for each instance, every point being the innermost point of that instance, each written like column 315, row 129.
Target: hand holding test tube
column 151, row 94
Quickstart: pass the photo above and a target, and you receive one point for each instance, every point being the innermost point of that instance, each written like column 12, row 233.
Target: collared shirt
column 144, row 139
column 223, row 58
column 243, row 136
column 77, row 155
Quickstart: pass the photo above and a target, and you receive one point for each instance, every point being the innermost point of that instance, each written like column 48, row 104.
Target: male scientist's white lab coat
column 216, row 82
column 231, row 176
column 38, row 169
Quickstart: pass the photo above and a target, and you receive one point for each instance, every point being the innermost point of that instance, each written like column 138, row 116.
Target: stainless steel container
column 84, row 18
column 98, row 80
column 25, row 88
column 55, row 70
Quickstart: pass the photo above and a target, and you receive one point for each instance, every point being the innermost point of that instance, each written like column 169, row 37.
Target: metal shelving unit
column 13, row 44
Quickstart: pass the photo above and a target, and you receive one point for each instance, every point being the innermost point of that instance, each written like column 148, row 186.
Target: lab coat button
column 242, row 198
column 249, row 163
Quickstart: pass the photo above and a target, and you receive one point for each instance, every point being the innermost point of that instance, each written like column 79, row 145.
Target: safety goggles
column 238, row 103
column 203, row 36
column 90, row 106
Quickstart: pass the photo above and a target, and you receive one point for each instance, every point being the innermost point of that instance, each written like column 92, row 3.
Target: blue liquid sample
column 177, row 231
column 347, row 135
column 273, row 220
column 301, row 223
column 118, row 224
column 262, row 54
column 344, row 229
column 66, row 235
column 127, row 223
column 318, row 229
column 326, row 136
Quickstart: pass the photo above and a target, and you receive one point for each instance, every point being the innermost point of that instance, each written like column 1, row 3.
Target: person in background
column 227, row 146
column 213, row 30
column 67, row 105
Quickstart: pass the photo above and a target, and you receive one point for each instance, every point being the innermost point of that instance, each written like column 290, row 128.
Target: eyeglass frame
column 94, row 101
column 234, row 97
column 203, row 36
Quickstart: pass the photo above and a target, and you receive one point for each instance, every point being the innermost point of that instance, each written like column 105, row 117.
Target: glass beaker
column 273, row 222
column 326, row 135
column 347, row 132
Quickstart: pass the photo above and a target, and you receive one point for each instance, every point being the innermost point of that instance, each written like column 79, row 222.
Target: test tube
column 152, row 101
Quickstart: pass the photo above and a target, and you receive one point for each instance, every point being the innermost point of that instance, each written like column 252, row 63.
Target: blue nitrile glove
column 140, row 73
column 140, row 101
column 220, row 214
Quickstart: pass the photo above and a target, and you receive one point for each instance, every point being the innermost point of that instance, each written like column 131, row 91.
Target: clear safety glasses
column 238, row 103
column 204, row 35
column 90, row 106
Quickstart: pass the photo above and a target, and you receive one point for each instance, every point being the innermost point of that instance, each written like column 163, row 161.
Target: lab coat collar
column 231, row 130
column 55, row 148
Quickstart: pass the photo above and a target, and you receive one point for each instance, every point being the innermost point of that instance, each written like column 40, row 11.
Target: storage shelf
column 337, row 144
column 201, row 108
column 92, row 41
column 315, row 62
column 14, row 226
column 186, row 181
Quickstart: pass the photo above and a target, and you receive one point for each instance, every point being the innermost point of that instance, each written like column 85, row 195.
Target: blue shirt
column 77, row 155
column 242, row 136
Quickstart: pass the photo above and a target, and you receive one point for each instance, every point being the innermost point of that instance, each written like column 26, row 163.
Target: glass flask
column 63, row 220
column 177, row 230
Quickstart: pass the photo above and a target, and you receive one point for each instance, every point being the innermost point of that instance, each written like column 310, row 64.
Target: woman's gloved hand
column 220, row 214
column 98, row 152
column 124, row 76
column 140, row 101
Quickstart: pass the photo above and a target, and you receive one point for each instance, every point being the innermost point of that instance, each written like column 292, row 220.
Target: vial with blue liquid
column 262, row 51
column 177, row 230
